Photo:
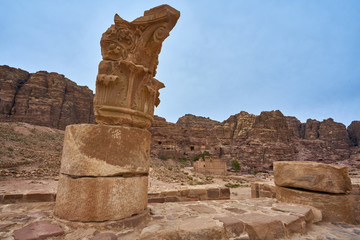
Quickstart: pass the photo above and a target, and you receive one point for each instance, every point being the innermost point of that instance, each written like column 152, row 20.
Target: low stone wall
column 179, row 195
column 334, row 207
column 193, row 194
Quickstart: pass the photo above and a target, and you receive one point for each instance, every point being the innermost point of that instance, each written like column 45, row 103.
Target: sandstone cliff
column 50, row 99
column 256, row 141
column 42, row 98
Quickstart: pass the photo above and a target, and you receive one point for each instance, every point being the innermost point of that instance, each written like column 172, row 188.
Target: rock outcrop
column 354, row 132
column 42, row 98
column 50, row 99
column 256, row 141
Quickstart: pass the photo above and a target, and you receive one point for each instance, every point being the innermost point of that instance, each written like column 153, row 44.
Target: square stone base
column 90, row 199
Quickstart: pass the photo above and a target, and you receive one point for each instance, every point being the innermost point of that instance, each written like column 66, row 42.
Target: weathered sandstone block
column 334, row 207
column 312, row 176
column 101, row 198
column 104, row 150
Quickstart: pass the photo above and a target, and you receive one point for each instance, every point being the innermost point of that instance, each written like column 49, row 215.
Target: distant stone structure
column 210, row 165
column 104, row 167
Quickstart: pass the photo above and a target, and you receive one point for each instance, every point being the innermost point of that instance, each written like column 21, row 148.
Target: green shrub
column 196, row 158
column 235, row 165
column 232, row 185
column 163, row 157
column 205, row 153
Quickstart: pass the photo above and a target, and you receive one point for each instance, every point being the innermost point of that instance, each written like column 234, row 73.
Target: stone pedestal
column 102, row 198
column 104, row 173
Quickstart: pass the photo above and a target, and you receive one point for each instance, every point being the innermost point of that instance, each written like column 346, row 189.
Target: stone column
column 104, row 167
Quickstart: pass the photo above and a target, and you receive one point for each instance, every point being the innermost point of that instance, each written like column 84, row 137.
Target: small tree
column 205, row 153
column 235, row 165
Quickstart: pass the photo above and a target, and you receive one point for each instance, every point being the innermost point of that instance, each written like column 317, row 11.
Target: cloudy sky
column 300, row 56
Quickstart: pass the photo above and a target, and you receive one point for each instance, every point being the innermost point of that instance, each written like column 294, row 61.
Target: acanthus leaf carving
column 126, row 90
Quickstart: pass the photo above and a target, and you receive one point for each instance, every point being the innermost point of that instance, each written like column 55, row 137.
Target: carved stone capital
column 126, row 90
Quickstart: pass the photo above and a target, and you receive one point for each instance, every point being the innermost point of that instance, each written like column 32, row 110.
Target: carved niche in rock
column 126, row 90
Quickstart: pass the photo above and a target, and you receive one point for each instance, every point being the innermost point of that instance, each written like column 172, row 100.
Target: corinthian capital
column 126, row 90
column 139, row 41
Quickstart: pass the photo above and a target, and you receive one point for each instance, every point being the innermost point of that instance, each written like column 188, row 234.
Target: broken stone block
column 261, row 226
column 200, row 228
column 305, row 211
column 101, row 198
column 312, row 176
column 38, row 230
column 103, row 150
column 233, row 226
column 334, row 207
column 292, row 223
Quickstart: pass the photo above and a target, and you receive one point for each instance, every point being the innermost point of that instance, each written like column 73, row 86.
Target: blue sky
column 300, row 56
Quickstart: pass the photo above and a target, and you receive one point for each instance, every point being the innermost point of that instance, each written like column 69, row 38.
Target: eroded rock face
column 255, row 141
column 312, row 176
column 42, row 98
column 354, row 132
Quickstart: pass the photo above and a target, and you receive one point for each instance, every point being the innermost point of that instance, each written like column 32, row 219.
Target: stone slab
column 334, row 207
column 312, row 176
column 38, row 230
column 262, row 226
column 103, row 150
column 100, row 199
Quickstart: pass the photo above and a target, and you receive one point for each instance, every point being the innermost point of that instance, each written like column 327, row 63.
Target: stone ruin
column 104, row 167
column 210, row 165
column 323, row 186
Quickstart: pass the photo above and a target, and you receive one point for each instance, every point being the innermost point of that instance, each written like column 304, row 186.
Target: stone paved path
column 220, row 219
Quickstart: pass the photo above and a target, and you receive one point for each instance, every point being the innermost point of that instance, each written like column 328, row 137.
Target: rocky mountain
column 256, row 141
column 42, row 98
column 50, row 99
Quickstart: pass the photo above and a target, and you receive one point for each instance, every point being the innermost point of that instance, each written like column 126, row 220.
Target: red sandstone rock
column 312, row 176
column 42, row 98
column 50, row 99
column 38, row 230
column 354, row 132
column 261, row 226
column 255, row 141
column 104, row 236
